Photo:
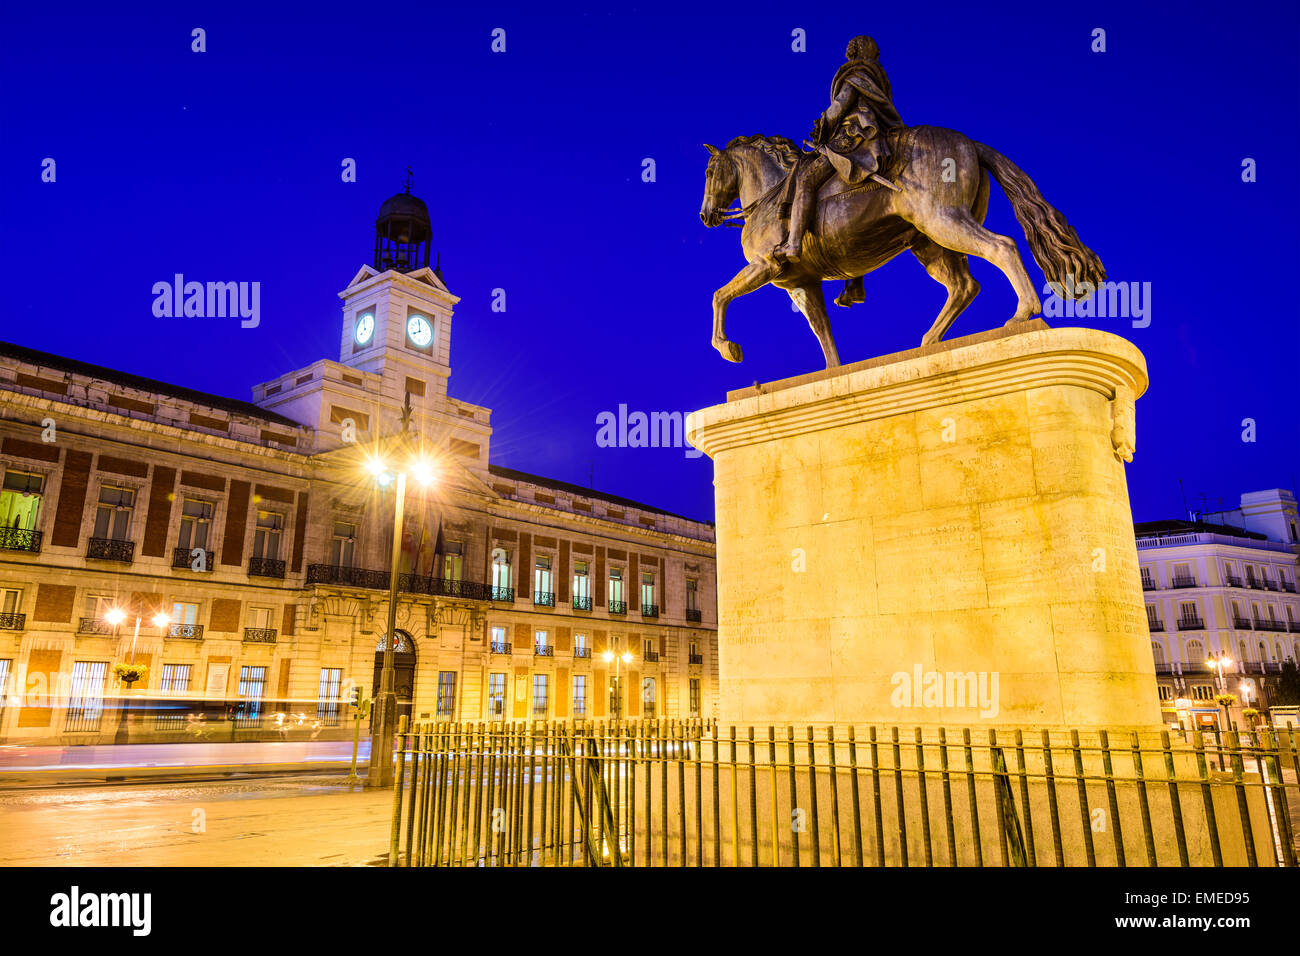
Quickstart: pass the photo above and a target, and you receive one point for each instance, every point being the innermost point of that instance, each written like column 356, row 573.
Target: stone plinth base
column 941, row 536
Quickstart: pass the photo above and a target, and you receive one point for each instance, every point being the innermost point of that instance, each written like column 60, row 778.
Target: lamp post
column 624, row 658
column 383, row 723
column 1219, row 665
column 116, row 616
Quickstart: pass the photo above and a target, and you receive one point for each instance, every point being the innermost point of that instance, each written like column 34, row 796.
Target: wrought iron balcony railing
column 649, row 610
column 266, row 567
column 1191, row 624
column 186, row 632
column 1164, row 668
column 1183, row 581
column 1288, row 586
column 1156, row 625
column 582, row 603
column 1257, row 585
column 1272, row 667
column 406, row 583
column 1148, row 584
column 1293, row 626
column 259, row 635
column 1271, row 625
column 694, row 615
column 582, row 652
column 1241, row 623
column 95, row 625
column 500, row 647
column 697, row 658
column 544, row 598
column 650, row 657
column 185, row 558
column 12, row 621
column 1232, row 581
column 543, row 650
column 111, row 549
column 20, row 539
column 617, row 607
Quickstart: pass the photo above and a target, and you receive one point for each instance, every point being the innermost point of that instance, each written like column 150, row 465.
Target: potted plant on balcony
column 128, row 674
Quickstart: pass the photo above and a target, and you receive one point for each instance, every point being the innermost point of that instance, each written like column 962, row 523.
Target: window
column 343, row 545
column 1250, row 575
column 496, row 695
column 692, row 594
column 1195, row 652
column 540, row 643
column 97, row 608
column 539, row 695
column 500, row 569
column 11, row 600
column 648, row 598
column 648, row 697
column 185, row 613
column 499, row 644
column 695, row 696
column 86, row 695
column 543, row 591
column 447, row 694
column 1187, row 613
column 174, row 682
column 113, row 514
column 20, row 500
column 328, row 705
column 252, row 687
column 266, row 539
column 579, row 695
column 581, row 586
column 453, row 561
column 196, row 524
column 6, row 665
column 259, row 618
column 617, row 599
column 1183, row 576
column 1202, row 692
column 580, row 646
column 1153, row 617
column 1241, row 650
column 649, row 648
column 1165, row 692
column 1158, row 653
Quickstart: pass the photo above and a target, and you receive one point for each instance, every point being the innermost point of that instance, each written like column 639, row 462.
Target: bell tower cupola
column 403, row 234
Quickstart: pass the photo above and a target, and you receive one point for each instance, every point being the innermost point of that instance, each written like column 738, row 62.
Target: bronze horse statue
column 937, row 212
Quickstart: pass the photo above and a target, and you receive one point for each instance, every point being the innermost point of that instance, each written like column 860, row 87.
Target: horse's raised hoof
column 729, row 350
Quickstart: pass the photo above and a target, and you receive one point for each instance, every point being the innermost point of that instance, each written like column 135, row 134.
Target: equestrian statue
column 868, row 188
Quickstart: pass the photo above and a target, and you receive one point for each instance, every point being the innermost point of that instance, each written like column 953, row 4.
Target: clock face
column 419, row 331
column 365, row 328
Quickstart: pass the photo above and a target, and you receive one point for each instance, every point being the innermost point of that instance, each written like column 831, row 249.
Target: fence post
column 1012, row 839
column 397, row 796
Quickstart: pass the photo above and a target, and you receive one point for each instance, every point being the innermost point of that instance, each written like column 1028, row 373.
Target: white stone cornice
column 1085, row 358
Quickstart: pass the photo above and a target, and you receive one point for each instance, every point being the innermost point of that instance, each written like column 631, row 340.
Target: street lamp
column 383, row 723
column 624, row 658
column 1219, row 665
column 116, row 616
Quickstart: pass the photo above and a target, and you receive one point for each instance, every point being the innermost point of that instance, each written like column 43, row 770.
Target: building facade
column 263, row 532
column 1222, row 605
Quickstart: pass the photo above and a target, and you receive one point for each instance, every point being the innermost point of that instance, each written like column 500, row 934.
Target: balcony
column 1156, row 625
column 697, row 659
column 1270, row 585
column 184, row 558
column 1183, row 581
column 1164, row 667
column 1293, row 626
column 544, row 598
column 19, row 539
column 1270, row 625
column 543, row 650
column 406, row 583
column 650, row 657
column 265, row 568
column 617, row 607
column 1191, row 624
column 1252, row 583
column 694, row 615
column 1148, row 584
column 1241, row 623
column 111, row 549
column 499, row 647
column 95, row 625
column 649, row 610
column 582, row 603
column 187, row 632
column 1232, row 580
column 584, row 652
column 259, row 635
column 12, row 621
column 1288, row 586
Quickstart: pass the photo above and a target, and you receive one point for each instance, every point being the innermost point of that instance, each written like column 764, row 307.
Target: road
column 299, row 821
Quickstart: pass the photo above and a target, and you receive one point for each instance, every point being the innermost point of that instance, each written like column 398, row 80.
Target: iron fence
column 690, row 793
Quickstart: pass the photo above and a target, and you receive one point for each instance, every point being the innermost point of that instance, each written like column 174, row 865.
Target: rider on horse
column 848, row 140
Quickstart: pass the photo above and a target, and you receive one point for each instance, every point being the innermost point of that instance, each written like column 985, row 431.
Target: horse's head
column 721, row 186
column 746, row 169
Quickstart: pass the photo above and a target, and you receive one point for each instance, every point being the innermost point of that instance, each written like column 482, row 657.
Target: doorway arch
column 404, row 659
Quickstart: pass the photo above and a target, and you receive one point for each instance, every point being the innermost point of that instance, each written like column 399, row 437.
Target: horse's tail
column 1053, row 241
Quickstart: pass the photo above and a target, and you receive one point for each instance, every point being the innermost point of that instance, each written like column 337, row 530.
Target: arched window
column 1195, row 652
column 1158, row 653
column 648, row 697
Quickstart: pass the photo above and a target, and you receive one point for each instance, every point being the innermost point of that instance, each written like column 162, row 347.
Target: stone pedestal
column 940, row 536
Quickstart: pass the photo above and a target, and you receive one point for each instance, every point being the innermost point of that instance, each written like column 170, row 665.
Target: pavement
column 299, row 821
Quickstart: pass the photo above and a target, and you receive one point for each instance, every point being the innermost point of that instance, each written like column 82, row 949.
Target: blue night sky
column 225, row 166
